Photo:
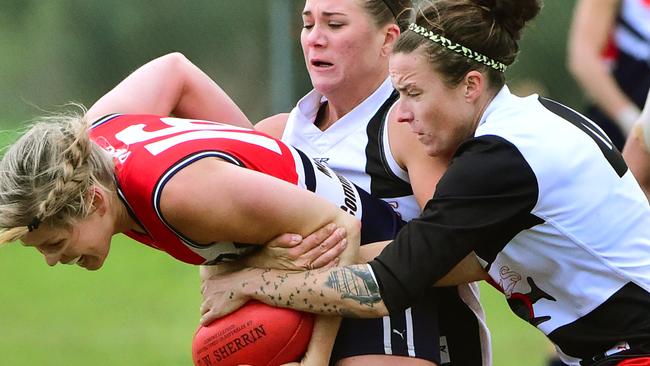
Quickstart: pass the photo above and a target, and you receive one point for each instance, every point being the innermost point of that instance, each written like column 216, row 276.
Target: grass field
column 142, row 309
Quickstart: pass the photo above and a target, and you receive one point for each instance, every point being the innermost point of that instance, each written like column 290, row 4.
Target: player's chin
column 91, row 263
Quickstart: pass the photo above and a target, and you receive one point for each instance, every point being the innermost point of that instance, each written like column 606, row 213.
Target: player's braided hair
column 47, row 174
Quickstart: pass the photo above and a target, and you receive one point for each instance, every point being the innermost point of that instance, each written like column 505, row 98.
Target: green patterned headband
column 457, row 47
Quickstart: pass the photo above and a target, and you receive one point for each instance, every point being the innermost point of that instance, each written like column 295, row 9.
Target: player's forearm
column 322, row 340
column 349, row 291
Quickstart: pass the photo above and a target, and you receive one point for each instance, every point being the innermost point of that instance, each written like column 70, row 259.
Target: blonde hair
column 47, row 174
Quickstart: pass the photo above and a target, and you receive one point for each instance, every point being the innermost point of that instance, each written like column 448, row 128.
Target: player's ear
column 474, row 84
column 99, row 199
column 391, row 34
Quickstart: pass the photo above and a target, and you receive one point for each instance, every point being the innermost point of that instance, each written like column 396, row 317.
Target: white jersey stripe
column 409, row 332
column 388, row 347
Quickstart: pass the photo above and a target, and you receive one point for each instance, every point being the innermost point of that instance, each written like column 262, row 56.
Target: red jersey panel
column 148, row 150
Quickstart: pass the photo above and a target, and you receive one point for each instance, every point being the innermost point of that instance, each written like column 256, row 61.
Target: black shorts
column 439, row 328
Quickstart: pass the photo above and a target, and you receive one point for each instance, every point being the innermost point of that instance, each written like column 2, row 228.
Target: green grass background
column 142, row 308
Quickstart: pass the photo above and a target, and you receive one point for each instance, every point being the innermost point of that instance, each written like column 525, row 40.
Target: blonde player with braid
column 204, row 192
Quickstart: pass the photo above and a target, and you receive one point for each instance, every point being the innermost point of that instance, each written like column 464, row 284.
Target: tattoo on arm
column 356, row 283
column 308, row 291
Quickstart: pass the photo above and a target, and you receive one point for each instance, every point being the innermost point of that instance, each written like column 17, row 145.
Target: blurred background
column 143, row 307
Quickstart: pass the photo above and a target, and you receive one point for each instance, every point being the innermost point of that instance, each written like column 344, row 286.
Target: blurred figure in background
column 637, row 149
column 609, row 55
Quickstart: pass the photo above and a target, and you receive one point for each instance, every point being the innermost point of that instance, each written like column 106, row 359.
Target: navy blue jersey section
column 379, row 222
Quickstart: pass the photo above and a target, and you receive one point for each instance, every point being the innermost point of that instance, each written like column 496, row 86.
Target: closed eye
column 51, row 247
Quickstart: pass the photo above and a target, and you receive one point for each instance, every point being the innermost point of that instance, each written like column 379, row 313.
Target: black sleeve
column 482, row 201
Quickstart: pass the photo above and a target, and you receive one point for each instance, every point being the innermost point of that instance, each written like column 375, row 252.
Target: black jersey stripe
column 622, row 22
column 310, row 176
column 383, row 182
column 103, row 120
column 605, row 145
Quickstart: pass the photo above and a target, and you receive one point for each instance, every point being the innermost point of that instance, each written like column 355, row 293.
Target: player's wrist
column 251, row 284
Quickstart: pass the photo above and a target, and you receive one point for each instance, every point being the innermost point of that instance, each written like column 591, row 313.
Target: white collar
column 503, row 97
column 309, row 104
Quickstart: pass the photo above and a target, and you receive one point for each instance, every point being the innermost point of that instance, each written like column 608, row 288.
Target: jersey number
column 183, row 130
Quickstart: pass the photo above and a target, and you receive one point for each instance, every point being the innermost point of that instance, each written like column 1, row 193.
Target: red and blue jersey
column 148, row 150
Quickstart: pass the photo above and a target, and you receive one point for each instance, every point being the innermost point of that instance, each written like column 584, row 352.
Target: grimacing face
column 438, row 114
column 341, row 45
column 86, row 243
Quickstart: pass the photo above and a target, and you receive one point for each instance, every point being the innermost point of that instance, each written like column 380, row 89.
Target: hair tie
column 458, row 48
column 33, row 225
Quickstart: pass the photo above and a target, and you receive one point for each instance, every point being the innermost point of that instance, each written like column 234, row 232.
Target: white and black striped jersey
column 629, row 51
column 557, row 218
column 356, row 146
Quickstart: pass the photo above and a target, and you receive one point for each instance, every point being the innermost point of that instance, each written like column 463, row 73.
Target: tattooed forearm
column 355, row 283
column 346, row 291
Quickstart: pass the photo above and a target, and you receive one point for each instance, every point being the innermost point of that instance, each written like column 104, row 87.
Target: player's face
column 437, row 113
column 86, row 244
column 341, row 45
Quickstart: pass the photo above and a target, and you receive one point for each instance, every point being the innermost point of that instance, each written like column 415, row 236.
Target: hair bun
column 512, row 14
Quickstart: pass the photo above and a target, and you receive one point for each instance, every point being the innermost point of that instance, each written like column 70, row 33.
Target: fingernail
column 295, row 239
column 331, row 227
column 340, row 231
column 344, row 243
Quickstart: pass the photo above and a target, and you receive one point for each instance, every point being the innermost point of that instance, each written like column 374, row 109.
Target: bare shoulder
column 273, row 125
column 190, row 195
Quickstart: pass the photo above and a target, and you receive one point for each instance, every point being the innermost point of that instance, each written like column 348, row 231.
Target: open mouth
column 321, row 64
column 73, row 261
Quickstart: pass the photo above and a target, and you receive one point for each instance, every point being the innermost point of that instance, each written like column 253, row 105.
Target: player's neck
column 124, row 221
column 343, row 101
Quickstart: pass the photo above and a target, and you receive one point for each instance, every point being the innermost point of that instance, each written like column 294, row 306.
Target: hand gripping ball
column 256, row 334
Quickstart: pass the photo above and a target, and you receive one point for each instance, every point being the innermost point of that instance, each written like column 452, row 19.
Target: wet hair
column 46, row 175
column 390, row 11
column 489, row 27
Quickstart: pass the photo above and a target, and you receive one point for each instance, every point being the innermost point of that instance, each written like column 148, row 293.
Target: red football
column 256, row 334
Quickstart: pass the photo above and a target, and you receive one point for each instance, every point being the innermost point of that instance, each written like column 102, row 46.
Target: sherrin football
column 256, row 334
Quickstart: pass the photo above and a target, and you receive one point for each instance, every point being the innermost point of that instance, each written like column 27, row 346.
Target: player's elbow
column 575, row 65
column 173, row 59
column 175, row 66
